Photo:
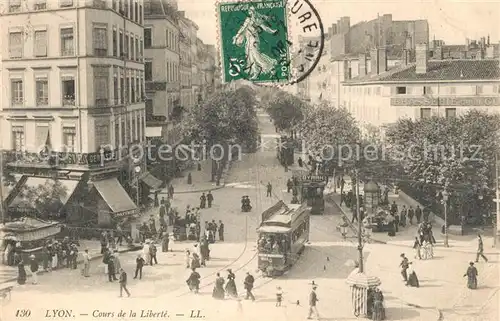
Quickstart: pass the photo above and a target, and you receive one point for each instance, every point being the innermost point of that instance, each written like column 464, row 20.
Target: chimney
column 438, row 52
column 421, row 54
column 362, row 65
column 488, row 41
column 374, row 61
column 483, row 42
column 406, row 57
column 467, row 42
column 382, row 60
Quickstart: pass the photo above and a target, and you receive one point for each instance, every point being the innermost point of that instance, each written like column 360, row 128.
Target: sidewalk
column 9, row 273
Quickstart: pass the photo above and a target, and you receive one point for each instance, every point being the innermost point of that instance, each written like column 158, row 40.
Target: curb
column 197, row 190
column 94, row 258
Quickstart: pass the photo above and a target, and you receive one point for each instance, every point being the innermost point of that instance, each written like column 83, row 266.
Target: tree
column 228, row 116
column 458, row 153
column 286, row 111
column 46, row 198
column 8, row 174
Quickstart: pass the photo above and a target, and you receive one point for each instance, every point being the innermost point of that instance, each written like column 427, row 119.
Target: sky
column 450, row 20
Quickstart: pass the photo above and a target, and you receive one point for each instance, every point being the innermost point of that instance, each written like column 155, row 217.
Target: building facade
column 186, row 61
column 423, row 89
column 73, row 89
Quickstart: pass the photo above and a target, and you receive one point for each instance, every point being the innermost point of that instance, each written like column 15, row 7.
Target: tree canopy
column 456, row 151
column 226, row 116
column 285, row 109
column 326, row 130
column 46, row 198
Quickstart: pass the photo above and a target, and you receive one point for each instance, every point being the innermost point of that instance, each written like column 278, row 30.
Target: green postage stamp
column 254, row 41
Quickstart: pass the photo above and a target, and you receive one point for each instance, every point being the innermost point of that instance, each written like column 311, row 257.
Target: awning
column 153, row 132
column 153, row 182
column 22, row 199
column 116, row 197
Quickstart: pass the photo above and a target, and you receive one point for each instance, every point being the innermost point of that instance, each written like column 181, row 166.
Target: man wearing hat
column 34, row 268
column 313, row 299
column 405, row 264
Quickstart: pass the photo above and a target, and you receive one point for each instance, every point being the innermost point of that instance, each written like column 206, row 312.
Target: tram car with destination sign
column 311, row 190
column 283, row 234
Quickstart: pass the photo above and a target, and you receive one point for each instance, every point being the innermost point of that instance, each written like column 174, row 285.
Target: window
column 140, row 14
column 69, row 139
column 425, row 113
column 67, row 42
column 40, row 5
column 115, row 90
column 42, row 92
column 41, row 135
column 137, row 89
column 132, row 54
column 137, row 54
column 17, row 92
column 451, row 112
column 14, row 5
column 377, row 91
column 136, row 12
column 452, row 90
column 65, row 3
column 16, row 44
column 115, row 44
column 127, row 90
column 101, row 135
column 115, row 5
column 122, row 53
column 40, row 48
column 18, row 138
column 148, row 70
column 141, row 47
column 68, row 91
column 125, row 8
column 479, row 90
column 147, row 38
column 125, row 47
column 167, row 34
column 122, row 88
column 427, row 90
column 117, row 133
column 149, row 108
column 132, row 89
column 134, row 131
column 100, row 41
column 400, row 90
column 101, row 79
column 123, row 137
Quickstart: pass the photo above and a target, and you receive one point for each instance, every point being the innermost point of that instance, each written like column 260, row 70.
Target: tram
column 283, row 233
column 311, row 189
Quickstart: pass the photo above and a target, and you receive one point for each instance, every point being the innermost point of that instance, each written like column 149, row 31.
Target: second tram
column 311, row 188
column 283, row 233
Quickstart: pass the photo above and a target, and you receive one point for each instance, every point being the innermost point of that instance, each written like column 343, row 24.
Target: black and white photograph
column 231, row 160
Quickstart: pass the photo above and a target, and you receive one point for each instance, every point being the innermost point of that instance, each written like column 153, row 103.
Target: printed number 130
column 23, row 313
column 235, row 67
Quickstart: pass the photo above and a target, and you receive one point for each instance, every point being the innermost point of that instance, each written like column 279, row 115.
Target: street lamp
column 137, row 170
column 445, row 202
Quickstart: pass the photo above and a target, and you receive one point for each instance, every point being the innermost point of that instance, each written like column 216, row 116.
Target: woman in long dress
column 471, row 276
column 146, row 253
column 117, row 262
column 231, row 284
column 21, row 275
column 412, row 278
column 378, row 305
column 248, row 35
column 218, row 292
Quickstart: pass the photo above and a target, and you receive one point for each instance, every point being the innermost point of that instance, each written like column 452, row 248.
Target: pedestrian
column 152, row 254
column 21, row 273
column 123, row 283
column 480, row 249
column 45, row 257
column 171, row 191
column 412, row 279
column 86, row 263
column 73, row 257
column 411, row 214
column 139, row 264
column 471, row 276
column 342, row 198
column 203, row 200
column 289, row 185
column 116, row 261
column 418, row 214
column 417, row 246
column 221, row 231
column 111, row 268
column 218, row 292
column 269, row 189
column 231, row 284
column 156, row 202
column 119, row 235
column 313, row 299
column 279, row 296
column 248, row 283
column 194, row 281
column 378, row 305
column 104, row 242
column 394, row 208
column 34, row 268
column 405, row 264
column 396, row 223
column 188, row 259
column 164, row 241
column 146, row 253
column 210, row 199
column 402, row 220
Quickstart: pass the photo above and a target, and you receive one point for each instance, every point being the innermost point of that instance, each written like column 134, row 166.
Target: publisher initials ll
column 196, row 314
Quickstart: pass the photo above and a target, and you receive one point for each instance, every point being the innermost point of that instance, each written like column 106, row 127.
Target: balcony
column 68, row 100
column 68, row 52
column 42, row 101
column 40, row 6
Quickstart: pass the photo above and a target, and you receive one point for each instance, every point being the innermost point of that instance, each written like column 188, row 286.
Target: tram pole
column 360, row 225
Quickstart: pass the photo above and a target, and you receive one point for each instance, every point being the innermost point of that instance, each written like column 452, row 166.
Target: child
column 279, row 296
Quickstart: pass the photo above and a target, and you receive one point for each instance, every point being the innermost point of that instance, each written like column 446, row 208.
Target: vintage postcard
column 220, row 160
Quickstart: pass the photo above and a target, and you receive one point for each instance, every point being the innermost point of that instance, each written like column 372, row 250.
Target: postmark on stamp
column 255, row 40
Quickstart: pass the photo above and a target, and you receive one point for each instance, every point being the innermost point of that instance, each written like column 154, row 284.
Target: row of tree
column 429, row 154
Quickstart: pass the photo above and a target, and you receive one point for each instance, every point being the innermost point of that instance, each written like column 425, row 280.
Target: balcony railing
column 101, row 102
column 68, row 52
column 40, row 6
column 42, row 101
column 68, row 101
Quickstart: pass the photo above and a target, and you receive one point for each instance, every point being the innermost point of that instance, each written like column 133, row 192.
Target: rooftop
column 444, row 70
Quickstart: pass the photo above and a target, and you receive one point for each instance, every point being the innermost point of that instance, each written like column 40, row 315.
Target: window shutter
column 41, row 43
column 41, row 133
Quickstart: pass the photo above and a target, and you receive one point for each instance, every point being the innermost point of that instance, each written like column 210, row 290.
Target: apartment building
column 73, row 90
column 186, row 62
